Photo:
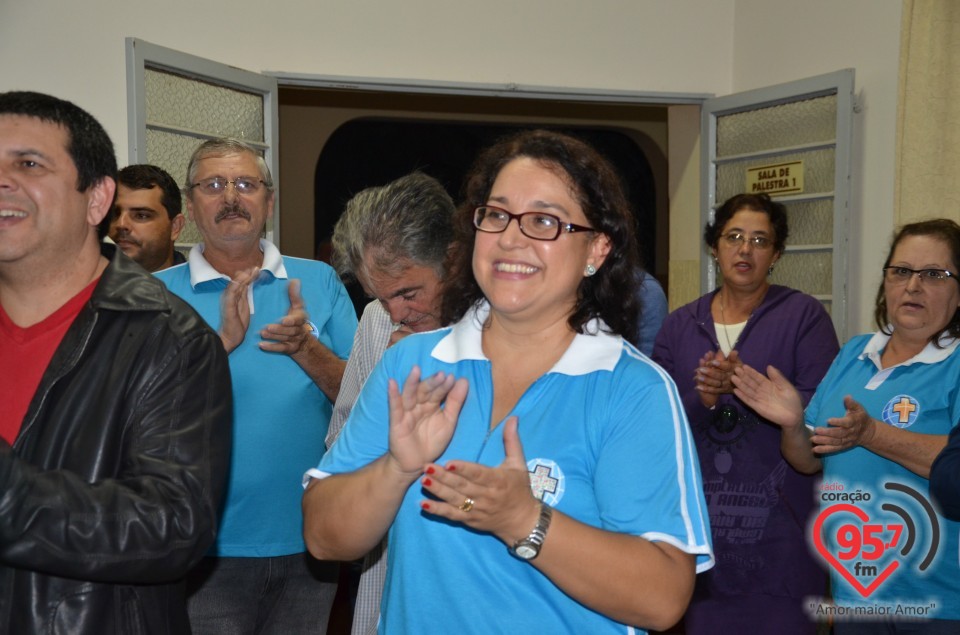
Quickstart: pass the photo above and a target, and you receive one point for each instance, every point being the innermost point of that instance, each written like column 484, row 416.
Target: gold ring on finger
column 466, row 505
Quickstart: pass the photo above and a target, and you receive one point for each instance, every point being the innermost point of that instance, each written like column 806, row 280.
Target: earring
column 770, row 271
column 589, row 270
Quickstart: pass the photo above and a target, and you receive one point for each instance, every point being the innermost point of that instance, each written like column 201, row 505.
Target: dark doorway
column 367, row 152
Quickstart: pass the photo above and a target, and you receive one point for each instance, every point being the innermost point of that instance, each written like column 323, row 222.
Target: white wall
column 76, row 50
column 777, row 41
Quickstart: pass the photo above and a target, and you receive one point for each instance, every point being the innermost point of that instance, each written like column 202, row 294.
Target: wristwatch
column 529, row 548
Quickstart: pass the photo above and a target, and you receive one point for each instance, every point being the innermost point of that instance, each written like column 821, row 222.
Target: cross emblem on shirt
column 541, row 481
column 904, row 408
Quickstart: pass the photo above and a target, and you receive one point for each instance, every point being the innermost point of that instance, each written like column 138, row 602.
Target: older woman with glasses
column 535, row 471
column 758, row 504
column 875, row 426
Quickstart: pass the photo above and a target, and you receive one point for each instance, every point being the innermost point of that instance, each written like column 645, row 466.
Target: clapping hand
column 289, row 336
column 772, row 397
column 423, row 418
column 855, row 428
column 493, row 499
column 714, row 374
column 235, row 309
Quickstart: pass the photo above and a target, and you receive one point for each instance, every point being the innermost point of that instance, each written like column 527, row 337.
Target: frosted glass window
column 172, row 153
column 175, row 103
column 785, row 125
column 810, row 272
column 202, row 107
column 810, row 222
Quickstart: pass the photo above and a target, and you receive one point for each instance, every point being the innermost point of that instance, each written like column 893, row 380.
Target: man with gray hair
column 393, row 240
column 286, row 369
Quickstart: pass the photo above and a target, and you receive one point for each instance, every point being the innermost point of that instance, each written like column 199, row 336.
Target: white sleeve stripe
column 697, row 550
column 681, row 432
column 313, row 473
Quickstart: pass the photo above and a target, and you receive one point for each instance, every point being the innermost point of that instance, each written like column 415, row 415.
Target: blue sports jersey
column 280, row 414
column 860, row 543
column 606, row 442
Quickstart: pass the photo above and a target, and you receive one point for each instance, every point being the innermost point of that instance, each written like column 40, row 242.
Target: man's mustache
column 232, row 209
column 124, row 235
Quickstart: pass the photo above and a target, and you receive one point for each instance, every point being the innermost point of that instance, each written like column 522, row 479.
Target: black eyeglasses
column 536, row 225
column 902, row 275
column 217, row 185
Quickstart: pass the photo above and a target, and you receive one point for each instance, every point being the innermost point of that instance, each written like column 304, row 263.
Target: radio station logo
column 868, row 548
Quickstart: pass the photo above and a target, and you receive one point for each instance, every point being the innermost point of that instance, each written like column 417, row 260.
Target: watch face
column 526, row 551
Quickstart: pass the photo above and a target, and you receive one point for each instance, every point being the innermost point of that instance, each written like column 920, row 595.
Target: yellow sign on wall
column 778, row 178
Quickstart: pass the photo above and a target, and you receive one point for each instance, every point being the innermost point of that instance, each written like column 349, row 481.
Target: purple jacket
column 759, row 505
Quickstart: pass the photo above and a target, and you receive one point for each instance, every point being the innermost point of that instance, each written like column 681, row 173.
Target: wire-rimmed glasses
column 217, row 185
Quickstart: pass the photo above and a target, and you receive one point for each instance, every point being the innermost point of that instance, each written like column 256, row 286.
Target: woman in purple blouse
column 758, row 504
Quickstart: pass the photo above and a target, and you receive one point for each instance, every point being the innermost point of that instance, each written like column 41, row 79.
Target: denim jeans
column 284, row 595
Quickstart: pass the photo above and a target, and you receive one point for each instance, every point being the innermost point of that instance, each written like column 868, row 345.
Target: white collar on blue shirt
column 203, row 271
column 929, row 355
column 591, row 351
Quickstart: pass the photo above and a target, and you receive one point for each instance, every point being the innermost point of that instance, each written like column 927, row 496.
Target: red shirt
column 25, row 354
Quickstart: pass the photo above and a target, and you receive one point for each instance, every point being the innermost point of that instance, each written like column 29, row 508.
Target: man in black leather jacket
column 113, row 454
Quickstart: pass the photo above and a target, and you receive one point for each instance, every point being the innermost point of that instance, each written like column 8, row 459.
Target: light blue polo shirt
column 606, row 442
column 280, row 415
column 920, row 395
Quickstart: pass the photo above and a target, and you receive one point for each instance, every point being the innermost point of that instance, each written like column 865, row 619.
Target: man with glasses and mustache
column 287, row 365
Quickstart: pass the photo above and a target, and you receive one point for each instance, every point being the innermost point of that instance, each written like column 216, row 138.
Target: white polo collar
column 591, row 351
column 202, row 271
column 929, row 355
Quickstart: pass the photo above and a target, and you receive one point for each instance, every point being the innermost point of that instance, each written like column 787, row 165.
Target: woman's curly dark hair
column 612, row 293
column 776, row 212
column 942, row 229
